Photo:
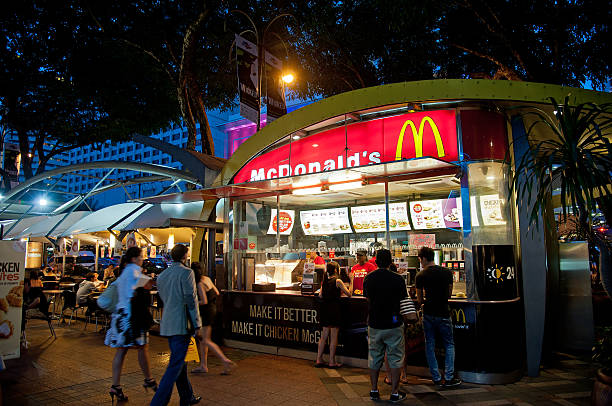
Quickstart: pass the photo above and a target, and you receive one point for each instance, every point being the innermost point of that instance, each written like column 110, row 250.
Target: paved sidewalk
column 75, row 370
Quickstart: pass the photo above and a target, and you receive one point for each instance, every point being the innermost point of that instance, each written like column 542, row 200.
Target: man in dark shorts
column 437, row 282
column 385, row 290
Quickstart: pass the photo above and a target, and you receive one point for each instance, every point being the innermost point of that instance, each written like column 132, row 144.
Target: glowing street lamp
column 42, row 201
column 288, row 78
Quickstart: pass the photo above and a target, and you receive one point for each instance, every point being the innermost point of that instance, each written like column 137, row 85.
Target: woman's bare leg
column 118, row 365
column 213, row 347
column 143, row 360
column 333, row 343
column 203, row 351
column 322, row 342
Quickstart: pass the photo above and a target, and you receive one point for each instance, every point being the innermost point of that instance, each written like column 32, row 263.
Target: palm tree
column 574, row 162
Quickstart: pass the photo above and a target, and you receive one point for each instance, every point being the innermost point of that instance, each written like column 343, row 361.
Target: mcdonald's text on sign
column 407, row 136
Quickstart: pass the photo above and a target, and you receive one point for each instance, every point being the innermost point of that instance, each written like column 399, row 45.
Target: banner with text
column 248, row 78
column 12, row 269
column 275, row 90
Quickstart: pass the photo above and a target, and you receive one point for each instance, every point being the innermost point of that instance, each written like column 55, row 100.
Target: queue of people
column 389, row 309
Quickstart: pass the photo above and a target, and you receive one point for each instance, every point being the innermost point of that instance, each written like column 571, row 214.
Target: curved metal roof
column 402, row 93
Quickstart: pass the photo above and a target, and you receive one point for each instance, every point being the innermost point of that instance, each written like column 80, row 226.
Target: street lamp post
column 260, row 44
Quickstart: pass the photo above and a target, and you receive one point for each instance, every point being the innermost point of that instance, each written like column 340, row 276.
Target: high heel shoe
column 116, row 390
column 150, row 384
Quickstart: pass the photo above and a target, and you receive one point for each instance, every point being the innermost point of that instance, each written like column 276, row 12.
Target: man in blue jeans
column 177, row 290
column 437, row 282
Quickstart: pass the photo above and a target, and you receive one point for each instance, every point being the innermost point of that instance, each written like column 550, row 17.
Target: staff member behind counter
column 360, row 270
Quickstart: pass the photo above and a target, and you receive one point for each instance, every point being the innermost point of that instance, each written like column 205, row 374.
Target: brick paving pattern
column 75, row 370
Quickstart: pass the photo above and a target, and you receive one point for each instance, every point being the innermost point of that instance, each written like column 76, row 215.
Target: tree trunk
column 192, row 105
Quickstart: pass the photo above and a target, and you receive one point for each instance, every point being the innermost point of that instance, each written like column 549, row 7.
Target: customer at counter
column 331, row 316
column 437, row 282
column 385, row 291
column 360, row 270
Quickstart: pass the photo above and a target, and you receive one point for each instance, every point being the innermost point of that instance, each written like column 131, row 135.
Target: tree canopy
column 76, row 72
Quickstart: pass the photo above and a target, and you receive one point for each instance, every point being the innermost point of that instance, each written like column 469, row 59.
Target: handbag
column 109, row 298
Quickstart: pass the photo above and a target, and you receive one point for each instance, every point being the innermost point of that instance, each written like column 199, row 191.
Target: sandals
column 319, row 365
column 334, row 366
column 199, row 370
column 229, row 366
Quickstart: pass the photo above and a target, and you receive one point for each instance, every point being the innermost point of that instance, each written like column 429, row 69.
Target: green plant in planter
column 602, row 351
column 575, row 160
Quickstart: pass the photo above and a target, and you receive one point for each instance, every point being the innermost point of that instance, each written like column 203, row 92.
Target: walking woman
column 207, row 300
column 131, row 320
column 331, row 316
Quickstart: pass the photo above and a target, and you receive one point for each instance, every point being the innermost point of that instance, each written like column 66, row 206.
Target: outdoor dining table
column 67, row 285
column 53, row 292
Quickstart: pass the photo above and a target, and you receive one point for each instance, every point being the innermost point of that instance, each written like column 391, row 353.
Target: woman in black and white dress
column 131, row 320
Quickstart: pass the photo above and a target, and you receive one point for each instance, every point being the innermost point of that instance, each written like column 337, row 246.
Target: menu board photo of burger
column 372, row 219
column 325, row 221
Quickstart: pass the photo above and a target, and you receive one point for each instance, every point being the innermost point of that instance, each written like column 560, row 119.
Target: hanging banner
column 12, row 269
column 131, row 240
column 153, row 251
column 248, row 78
column 284, row 224
column 74, row 248
column 34, row 254
column 275, row 89
column 12, row 162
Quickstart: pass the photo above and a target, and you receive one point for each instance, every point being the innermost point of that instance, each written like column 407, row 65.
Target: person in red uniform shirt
column 360, row 270
column 319, row 259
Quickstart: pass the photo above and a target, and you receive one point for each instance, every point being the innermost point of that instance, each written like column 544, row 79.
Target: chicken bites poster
column 12, row 270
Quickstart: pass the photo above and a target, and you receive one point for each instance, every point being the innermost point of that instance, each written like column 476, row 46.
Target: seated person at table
column 34, row 302
column 86, row 287
column 109, row 273
column 36, row 279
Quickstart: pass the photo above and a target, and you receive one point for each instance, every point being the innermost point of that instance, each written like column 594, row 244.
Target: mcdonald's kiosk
column 388, row 177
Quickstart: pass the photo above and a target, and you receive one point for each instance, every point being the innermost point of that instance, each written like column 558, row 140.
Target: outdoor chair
column 69, row 298
column 93, row 310
column 36, row 314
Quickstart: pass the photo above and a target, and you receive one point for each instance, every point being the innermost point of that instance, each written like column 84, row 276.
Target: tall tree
column 187, row 41
column 62, row 87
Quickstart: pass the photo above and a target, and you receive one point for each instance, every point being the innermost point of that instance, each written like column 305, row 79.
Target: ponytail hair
column 332, row 268
column 131, row 253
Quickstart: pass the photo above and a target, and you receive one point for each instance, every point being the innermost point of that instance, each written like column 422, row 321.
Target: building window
column 165, row 161
column 146, row 154
column 121, row 150
column 130, row 148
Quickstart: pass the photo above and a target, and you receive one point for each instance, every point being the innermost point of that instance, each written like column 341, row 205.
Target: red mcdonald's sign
column 407, row 136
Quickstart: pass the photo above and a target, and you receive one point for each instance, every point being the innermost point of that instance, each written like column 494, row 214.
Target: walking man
column 437, row 282
column 177, row 290
column 385, row 290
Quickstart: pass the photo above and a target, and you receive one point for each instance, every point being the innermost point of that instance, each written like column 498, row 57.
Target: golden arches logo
column 458, row 315
column 418, row 138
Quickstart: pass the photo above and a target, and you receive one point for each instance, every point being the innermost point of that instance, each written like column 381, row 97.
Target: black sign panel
column 495, row 272
column 292, row 321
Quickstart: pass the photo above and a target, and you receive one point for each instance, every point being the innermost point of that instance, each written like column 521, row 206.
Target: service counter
column 488, row 334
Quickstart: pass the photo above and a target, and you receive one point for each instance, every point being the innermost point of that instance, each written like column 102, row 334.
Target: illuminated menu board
column 490, row 210
column 370, row 219
column 427, row 214
column 325, row 221
column 287, row 219
column 441, row 213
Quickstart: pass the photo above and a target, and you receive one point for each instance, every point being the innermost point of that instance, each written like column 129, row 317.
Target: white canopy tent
column 104, row 218
column 42, row 228
column 160, row 215
column 21, row 226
